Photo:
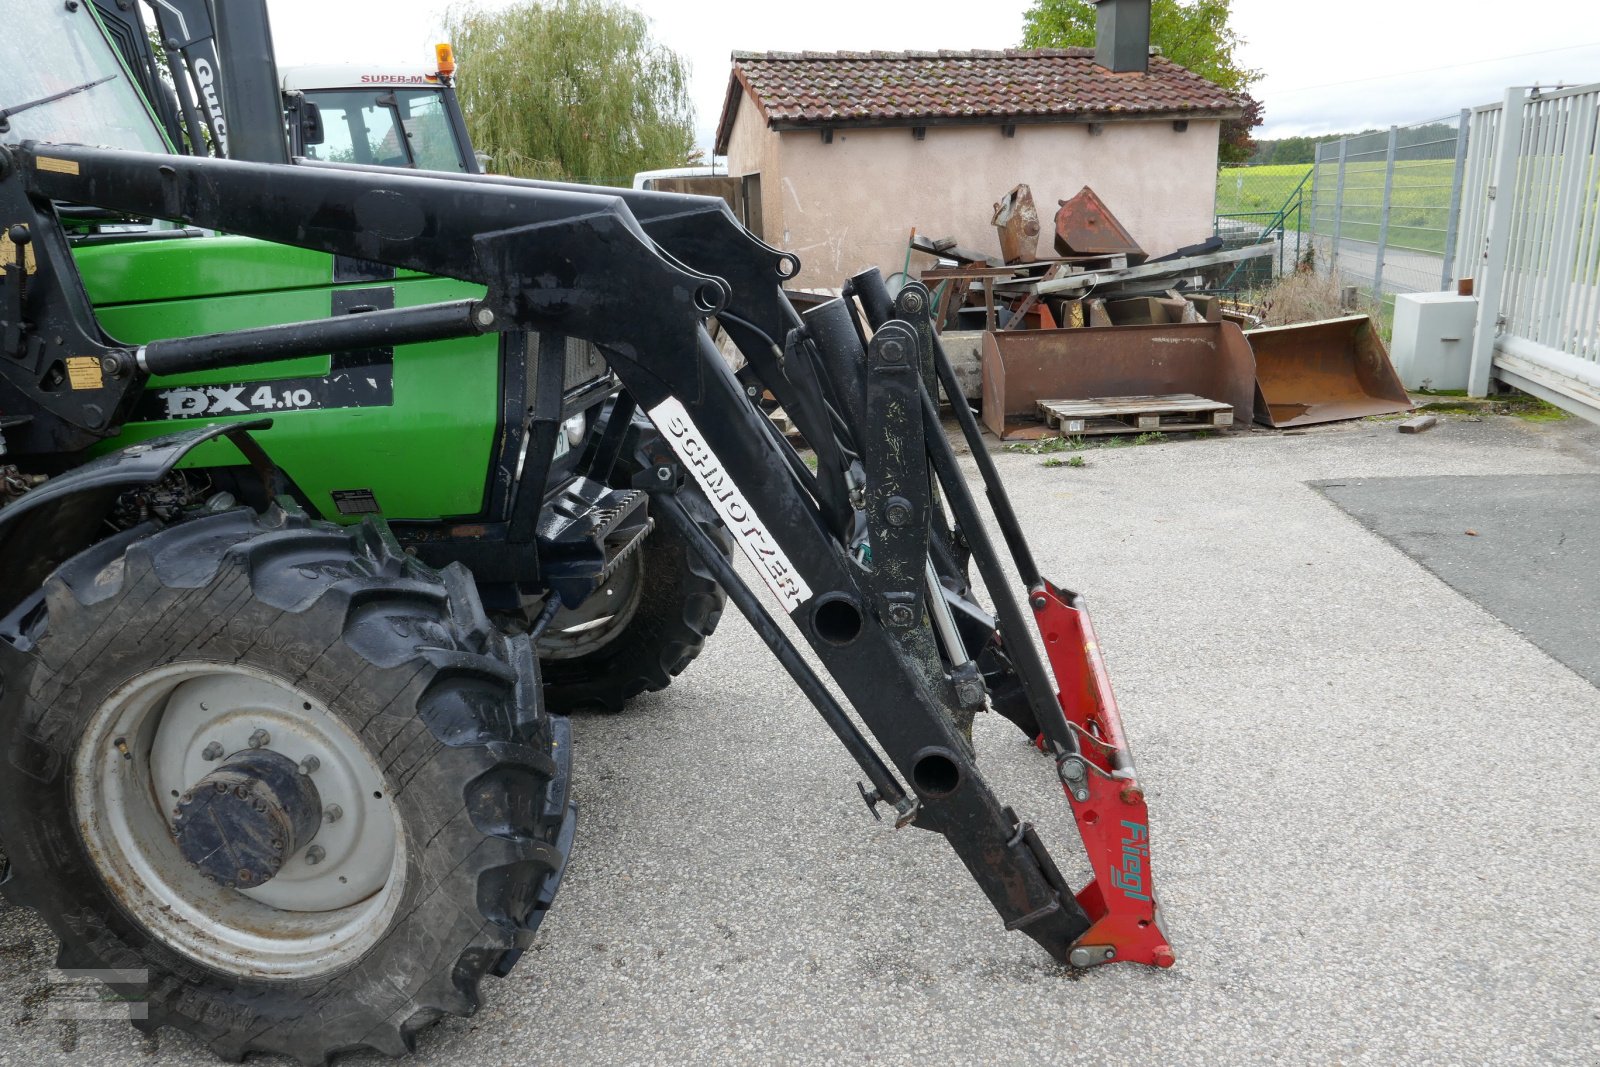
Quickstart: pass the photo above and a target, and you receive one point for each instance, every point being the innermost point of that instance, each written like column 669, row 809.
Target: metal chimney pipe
column 1122, row 35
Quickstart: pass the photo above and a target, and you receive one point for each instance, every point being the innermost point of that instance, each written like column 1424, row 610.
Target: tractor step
column 585, row 530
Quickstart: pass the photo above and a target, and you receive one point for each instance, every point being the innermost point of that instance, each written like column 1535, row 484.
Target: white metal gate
column 1530, row 237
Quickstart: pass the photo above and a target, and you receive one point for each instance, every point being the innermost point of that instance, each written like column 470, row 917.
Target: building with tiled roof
column 861, row 90
column 844, row 153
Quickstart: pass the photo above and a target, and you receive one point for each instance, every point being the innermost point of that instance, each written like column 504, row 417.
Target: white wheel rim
column 157, row 736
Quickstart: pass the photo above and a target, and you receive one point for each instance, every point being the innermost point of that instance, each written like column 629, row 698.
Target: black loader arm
column 845, row 555
column 702, row 230
column 564, row 262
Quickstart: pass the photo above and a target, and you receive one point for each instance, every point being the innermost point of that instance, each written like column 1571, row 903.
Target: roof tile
column 815, row 88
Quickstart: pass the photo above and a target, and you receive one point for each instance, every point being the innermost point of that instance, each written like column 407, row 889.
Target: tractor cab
column 63, row 82
column 381, row 115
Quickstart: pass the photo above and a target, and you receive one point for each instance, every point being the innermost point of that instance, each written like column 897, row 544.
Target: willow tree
column 571, row 90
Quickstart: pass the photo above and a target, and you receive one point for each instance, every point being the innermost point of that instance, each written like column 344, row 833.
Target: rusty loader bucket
column 1021, row 368
column 1323, row 372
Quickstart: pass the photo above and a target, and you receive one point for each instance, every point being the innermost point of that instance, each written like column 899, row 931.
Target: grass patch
column 1518, row 405
column 1419, row 207
column 1457, row 407
column 1070, row 461
column 1308, row 297
column 1532, row 409
column 1051, row 445
column 1257, row 194
column 1046, row 445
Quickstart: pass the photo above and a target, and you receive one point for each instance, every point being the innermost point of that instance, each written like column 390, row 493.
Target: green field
column 1420, row 202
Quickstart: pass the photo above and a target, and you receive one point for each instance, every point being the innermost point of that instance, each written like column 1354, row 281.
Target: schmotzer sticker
column 759, row 546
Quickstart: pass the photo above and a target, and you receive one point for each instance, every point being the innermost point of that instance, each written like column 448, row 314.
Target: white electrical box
column 1432, row 345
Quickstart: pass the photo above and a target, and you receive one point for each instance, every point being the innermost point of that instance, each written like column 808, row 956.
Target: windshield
column 385, row 127
column 54, row 58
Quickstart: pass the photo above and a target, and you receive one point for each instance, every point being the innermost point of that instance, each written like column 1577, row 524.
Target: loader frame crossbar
column 867, row 556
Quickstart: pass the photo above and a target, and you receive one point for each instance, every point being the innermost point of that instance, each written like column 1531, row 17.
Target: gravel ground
column 1367, row 799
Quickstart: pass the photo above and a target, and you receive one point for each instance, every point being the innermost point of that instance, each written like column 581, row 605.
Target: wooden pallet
column 785, row 424
column 1135, row 414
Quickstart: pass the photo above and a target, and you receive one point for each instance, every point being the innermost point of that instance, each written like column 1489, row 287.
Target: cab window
column 61, row 82
column 386, row 128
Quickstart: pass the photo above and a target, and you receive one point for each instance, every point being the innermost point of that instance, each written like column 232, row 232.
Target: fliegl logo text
column 1131, row 876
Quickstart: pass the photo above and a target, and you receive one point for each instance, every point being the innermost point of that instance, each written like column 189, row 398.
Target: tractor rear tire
column 670, row 605
column 271, row 633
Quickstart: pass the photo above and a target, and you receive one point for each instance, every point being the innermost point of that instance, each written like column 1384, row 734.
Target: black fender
column 49, row 525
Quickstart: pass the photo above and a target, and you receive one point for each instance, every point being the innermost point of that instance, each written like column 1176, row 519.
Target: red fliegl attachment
column 1103, row 789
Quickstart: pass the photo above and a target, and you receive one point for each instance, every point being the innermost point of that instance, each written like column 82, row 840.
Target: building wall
column 754, row 149
column 844, row 206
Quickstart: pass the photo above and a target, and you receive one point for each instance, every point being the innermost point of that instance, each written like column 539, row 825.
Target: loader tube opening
column 935, row 773
column 710, row 298
column 837, row 620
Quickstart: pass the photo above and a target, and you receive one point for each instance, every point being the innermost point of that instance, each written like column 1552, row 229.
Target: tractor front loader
column 275, row 752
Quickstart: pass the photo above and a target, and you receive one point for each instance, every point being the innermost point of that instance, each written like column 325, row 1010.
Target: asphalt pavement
column 1526, row 548
column 1373, row 807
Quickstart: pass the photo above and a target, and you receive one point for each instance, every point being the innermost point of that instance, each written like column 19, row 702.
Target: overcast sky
column 1329, row 66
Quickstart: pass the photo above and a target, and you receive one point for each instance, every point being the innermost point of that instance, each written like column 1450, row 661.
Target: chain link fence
column 1261, row 202
column 1507, row 194
column 1385, row 206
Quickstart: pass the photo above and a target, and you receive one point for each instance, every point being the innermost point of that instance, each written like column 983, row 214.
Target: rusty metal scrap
column 1208, row 359
column 946, row 248
column 1086, row 227
column 1017, row 220
column 1323, row 372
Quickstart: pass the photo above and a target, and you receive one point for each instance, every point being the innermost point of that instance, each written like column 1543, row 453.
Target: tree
column 571, row 90
column 1192, row 33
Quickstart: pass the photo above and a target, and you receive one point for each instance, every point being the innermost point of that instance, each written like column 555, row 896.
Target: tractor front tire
column 162, row 660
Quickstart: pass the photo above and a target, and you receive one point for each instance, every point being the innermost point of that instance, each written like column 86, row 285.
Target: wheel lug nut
column 260, row 739
column 213, row 752
column 309, row 765
column 316, row 854
column 332, row 813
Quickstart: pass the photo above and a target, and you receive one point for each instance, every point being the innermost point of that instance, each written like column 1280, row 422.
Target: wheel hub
column 176, row 847
column 240, row 822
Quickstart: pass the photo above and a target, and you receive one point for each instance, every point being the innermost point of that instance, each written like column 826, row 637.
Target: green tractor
column 285, row 592
column 325, row 487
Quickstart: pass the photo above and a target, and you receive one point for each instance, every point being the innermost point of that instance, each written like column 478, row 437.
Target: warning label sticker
column 83, row 372
column 759, row 546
